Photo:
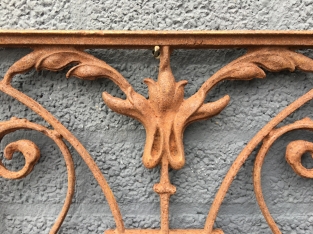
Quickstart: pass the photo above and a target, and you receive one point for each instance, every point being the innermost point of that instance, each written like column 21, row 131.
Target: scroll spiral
column 294, row 152
column 88, row 67
column 32, row 154
column 247, row 67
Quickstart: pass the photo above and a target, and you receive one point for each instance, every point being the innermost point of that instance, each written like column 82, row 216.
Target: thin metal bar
column 147, row 39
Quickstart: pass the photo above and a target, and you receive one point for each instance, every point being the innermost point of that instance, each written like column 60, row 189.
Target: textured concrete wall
column 116, row 142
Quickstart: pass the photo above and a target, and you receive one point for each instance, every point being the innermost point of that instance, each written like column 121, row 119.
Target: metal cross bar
column 147, row 39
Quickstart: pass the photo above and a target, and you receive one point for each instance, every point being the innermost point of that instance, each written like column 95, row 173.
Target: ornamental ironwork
column 166, row 113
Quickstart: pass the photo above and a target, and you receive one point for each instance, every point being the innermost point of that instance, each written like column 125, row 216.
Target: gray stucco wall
column 116, row 142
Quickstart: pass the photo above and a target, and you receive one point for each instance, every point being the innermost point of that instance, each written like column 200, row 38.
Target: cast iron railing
column 165, row 114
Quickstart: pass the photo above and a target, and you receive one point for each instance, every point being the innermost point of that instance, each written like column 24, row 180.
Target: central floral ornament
column 165, row 114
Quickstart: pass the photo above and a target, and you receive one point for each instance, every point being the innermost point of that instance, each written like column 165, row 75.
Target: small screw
column 156, row 52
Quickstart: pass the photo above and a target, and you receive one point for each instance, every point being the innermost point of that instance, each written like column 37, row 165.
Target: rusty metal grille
column 166, row 113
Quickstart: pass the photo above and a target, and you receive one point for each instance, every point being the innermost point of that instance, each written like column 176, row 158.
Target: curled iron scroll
column 54, row 59
column 31, row 153
column 272, row 59
column 294, row 152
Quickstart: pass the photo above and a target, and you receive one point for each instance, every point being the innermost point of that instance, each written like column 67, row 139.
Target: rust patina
column 166, row 113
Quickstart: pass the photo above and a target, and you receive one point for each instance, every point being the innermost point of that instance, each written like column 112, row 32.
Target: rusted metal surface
column 32, row 154
column 294, row 152
column 149, row 39
column 166, row 113
column 54, row 59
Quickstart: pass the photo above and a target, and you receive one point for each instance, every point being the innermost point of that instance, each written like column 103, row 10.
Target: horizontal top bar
column 148, row 39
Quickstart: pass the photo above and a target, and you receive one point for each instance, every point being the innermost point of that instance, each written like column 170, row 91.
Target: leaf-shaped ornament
column 58, row 60
column 274, row 62
column 302, row 62
column 246, row 71
column 87, row 72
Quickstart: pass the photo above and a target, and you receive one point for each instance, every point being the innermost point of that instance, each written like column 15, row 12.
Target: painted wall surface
column 116, row 142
